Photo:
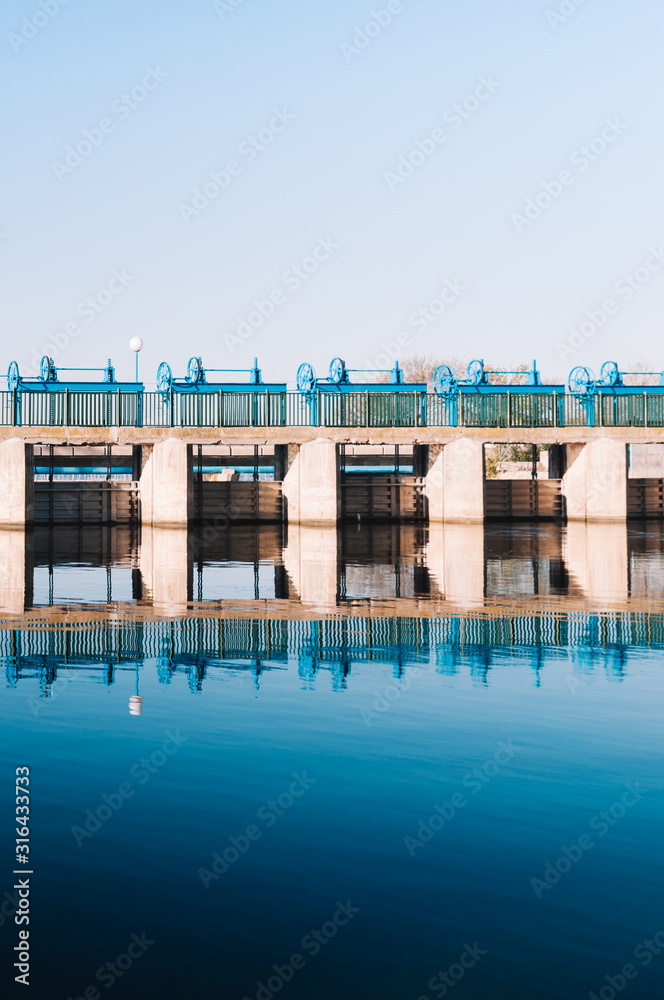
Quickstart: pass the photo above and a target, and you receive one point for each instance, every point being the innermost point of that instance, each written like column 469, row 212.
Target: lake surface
column 362, row 802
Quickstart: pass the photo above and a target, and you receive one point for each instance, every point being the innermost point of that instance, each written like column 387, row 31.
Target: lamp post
column 136, row 345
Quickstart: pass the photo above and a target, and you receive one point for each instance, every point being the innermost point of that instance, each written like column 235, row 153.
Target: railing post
column 509, row 408
column 170, row 393
column 66, row 407
column 318, row 413
column 220, row 408
column 423, row 408
column 366, row 411
column 14, row 407
column 645, row 409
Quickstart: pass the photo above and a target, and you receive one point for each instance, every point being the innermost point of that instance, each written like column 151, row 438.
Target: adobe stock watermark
column 247, row 151
column 563, row 12
column 267, row 814
column 601, row 823
column 644, row 953
column 293, row 279
column 121, row 108
column 141, row 771
column 444, row 981
column 420, row 320
column 385, row 699
column 622, row 292
column 312, row 944
column 37, row 704
column 474, row 781
column 36, row 22
column 455, row 116
column 579, row 161
column 88, row 310
column 224, row 7
column 109, row 973
column 374, row 26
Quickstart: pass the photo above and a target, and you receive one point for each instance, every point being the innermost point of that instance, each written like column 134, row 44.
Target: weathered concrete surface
column 17, row 490
column 166, row 483
column 646, row 461
column 595, row 481
column 374, row 436
column 311, row 483
column 463, row 480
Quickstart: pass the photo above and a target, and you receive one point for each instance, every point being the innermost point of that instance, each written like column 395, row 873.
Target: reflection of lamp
column 136, row 345
column 135, row 700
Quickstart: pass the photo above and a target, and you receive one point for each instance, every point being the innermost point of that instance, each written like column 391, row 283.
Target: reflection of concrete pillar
column 167, row 483
column 166, row 566
column 311, row 483
column 12, row 570
column 311, row 561
column 17, row 476
column 595, row 481
column 595, row 555
column 455, row 560
column 463, row 480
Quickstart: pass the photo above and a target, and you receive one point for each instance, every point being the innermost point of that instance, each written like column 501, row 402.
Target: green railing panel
column 323, row 409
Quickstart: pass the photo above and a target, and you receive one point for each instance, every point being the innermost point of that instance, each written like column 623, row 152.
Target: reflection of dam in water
column 598, row 644
column 328, row 568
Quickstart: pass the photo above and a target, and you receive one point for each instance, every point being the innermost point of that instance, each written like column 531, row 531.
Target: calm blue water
column 521, row 729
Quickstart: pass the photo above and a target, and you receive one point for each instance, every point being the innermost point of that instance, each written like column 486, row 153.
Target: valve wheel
column 194, row 370
column 306, row 378
column 164, row 377
column 609, row 373
column 580, row 381
column 46, row 369
column 12, row 375
column 476, row 372
column 337, row 370
column 444, row 380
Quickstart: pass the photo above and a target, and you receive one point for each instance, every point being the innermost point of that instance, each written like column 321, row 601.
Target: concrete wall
column 17, row 491
column 646, row 461
column 167, row 483
column 595, row 481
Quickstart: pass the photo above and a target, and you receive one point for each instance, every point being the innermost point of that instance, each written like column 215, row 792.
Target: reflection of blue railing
column 600, row 641
column 24, row 408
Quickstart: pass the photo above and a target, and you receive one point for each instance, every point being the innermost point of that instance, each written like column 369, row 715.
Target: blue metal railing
column 120, row 408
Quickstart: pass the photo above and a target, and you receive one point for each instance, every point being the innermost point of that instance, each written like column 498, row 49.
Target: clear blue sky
column 347, row 114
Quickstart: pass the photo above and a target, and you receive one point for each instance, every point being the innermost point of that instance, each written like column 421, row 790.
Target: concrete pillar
column 595, row 555
column 166, row 565
column 311, row 483
column 595, row 481
column 287, row 470
column 454, row 485
column 312, row 563
column 13, row 570
column 433, row 484
column 17, row 482
column 455, row 560
column 167, row 483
